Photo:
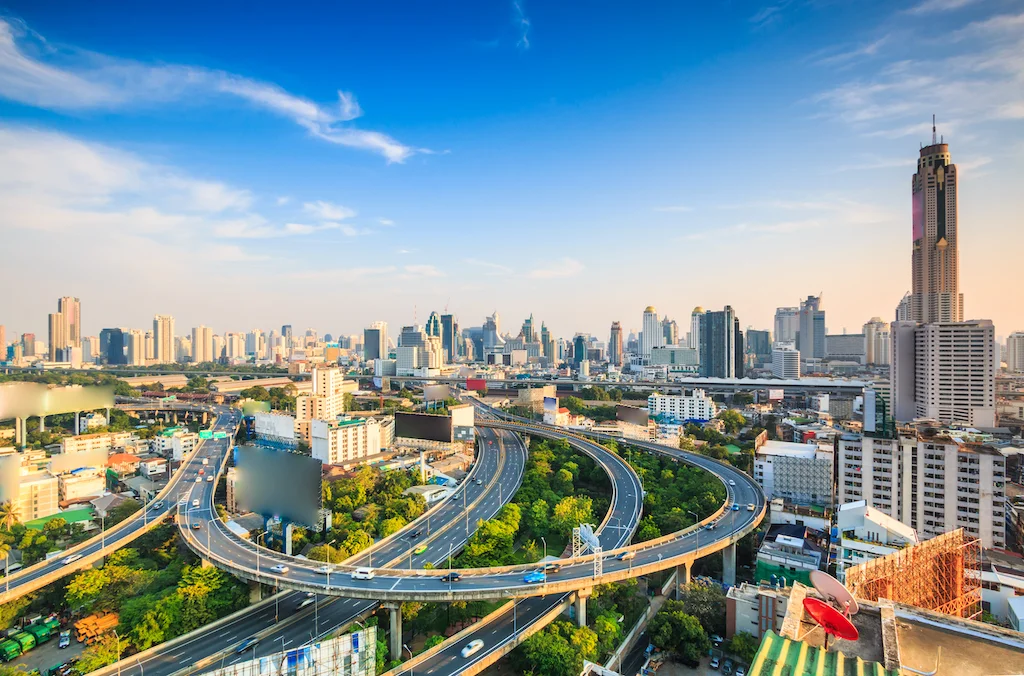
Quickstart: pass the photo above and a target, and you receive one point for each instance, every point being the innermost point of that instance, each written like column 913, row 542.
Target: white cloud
column 421, row 270
column 403, row 252
column 674, row 209
column 565, row 267
column 769, row 14
column 328, row 211
column 491, row 267
column 932, row 6
column 33, row 73
column 386, row 222
column 283, row 200
column 523, row 24
column 865, row 50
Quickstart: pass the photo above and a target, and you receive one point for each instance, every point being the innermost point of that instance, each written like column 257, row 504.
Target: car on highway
column 710, row 526
column 159, row 504
column 419, row 550
column 70, row 559
column 279, row 569
column 306, row 602
column 195, row 503
column 182, row 502
column 415, row 534
column 247, row 644
column 209, row 479
column 326, row 570
column 535, row 577
column 625, row 556
column 202, row 472
column 732, row 482
column 479, row 482
column 451, row 577
column 552, row 567
column 472, row 648
column 750, row 507
column 362, row 574
column 199, row 479
column 735, row 507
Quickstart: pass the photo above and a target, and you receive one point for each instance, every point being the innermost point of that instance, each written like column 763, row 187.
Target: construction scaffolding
column 352, row 654
column 942, row 574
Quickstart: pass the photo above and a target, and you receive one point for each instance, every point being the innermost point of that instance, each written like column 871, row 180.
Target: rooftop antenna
column 933, row 129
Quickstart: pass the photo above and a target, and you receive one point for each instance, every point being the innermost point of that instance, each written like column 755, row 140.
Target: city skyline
column 235, row 176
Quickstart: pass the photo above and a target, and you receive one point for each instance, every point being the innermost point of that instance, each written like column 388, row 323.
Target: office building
column 944, row 371
column 846, row 347
column 135, row 348
column 676, row 358
column 759, row 344
column 163, row 339
column 904, row 308
column 202, row 345
column 449, row 337
column 935, row 481
column 785, row 363
column 669, row 331
column 375, row 341
column 693, row 337
column 113, row 347
column 811, row 337
column 935, row 289
column 787, row 324
column 286, row 334
column 876, row 342
column 651, row 335
column 579, row 349
column 345, row 441
column 91, row 349
column 28, row 344
column 255, row 344
column 527, row 330
column 866, row 533
column 719, row 350
column 1014, row 356
column 433, row 327
column 615, row 345
column 58, row 337
column 695, row 405
column 70, row 310
column 799, row 473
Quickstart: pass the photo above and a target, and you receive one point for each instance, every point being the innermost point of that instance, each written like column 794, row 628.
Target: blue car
column 535, row 577
column 735, row 507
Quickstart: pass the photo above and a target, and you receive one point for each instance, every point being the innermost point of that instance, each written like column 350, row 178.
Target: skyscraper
column 433, row 327
column 669, row 331
column 693, row 339
column 202, row 345
column 286, row 333
column 449, row 337
column 811, row 339
column 136, row 347
column 528, row 329
column 28, row 344
column 112, row 346
column 876, row 342
column 615, row 345
column 759, row 344
column 787, row 324
column 903, row 309
column 375, row 341
column 579, row 349
column 718, row 335
column 935, row 276
column 1015, row 352
column 548, row 345
column 163, row 339
column 71, row 309
column 58, row 337
column 651, row 335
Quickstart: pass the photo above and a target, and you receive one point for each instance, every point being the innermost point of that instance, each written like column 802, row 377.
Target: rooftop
column 787, row 448
column 782, row 655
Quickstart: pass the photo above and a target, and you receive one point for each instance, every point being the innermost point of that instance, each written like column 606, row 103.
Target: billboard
column 775, row 395
column 631, row 414
column 22, row 400
column 435, row 392
column 252, row 407
column 274, row 425
column 66, row 462
column 423, row 426
column 476, row 384
column 10, row 478
column 551, row 404
column 278, row 483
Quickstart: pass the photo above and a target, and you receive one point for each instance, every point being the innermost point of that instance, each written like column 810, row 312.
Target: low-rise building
column 865, row 533
column 91, row 421
column 789, row 552
column 344, row 441
column 175, row 444
column 125, row 464
column 38, row 496
column 801, row 473
column 431, row 493
column 80, row 485
column 694, row 406
column 101, row 441
column 153, row 467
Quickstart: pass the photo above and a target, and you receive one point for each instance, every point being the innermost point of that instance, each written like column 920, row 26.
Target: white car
column 326, row 570
column 71, row 559
column 362, row 574
column 731, row 482
column 472, row 648
column 209, row 479
column 195, row 503
column 199, row 479
column 279, row 568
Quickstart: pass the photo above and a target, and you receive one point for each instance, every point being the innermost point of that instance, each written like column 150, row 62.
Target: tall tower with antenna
column 935, row 261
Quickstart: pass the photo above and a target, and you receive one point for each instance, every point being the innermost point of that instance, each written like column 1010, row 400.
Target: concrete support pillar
column 42, row 423
column 581, row 606
column 729, row 565
column 395, row 632
column 682, row 579
column 108, row 415
column 19, row 433
column 78, row 418
column 255, row 592
column 288, row 530
column 206, row 418
column 206, row 563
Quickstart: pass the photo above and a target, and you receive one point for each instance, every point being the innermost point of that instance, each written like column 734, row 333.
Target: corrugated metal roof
column 779, row 656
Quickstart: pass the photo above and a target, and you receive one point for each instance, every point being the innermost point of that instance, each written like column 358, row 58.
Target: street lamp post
column 545, row 547
column 118, row 639
column 696, row 520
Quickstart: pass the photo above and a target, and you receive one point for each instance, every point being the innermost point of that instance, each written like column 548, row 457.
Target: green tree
column 538, row 516
column 570, row 512
column 106, row 650
column 744, row 646
column 563, row 482
column 673, row 630
column 648, row 529
column 121, row 512
column 391, row 526
column 435, row 640
column 707, row 604
column 733, row 420
column 608, row 630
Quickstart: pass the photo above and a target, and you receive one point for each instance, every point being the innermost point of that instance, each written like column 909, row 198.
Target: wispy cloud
column 674, row 209
column 328, row 211
column 769, row 14
column 420, row 271
column 523, row 24
column 934, row 6
column 565, row 267
column 491, row 268
column 34, row 73
column 844, row 57
column 386, row 222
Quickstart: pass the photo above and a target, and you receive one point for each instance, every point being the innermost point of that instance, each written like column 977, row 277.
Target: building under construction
column 942, row 574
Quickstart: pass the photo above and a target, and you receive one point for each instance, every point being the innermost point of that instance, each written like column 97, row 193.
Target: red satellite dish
column 830, row 619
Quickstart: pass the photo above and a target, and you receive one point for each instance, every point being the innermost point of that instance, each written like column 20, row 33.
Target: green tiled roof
column 71, row 516
column 779, row 656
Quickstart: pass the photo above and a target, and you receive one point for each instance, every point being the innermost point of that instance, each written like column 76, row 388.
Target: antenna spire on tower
column 933, row 129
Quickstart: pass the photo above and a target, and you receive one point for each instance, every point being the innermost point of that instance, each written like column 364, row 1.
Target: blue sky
column 349, row 162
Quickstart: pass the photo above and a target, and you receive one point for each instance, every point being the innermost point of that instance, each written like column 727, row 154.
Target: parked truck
column 9, row 650
column 40, row 631
column 27, row 640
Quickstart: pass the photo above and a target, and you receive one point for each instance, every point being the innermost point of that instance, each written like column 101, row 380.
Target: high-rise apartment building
column 651, row 335
column 615, row 345
column 718, row 345
column 150, row 346
column 759, row 344
column 135, row 347
column 112, row 346
column 202, row 345
column 693, row 338
column 375, row 341
column 28, row 344
column 934, row 483
column 218, row 344
column 163, row 339
column 182, row 349
column 944, row 371
column 846, row 347
column 234, row 345
column 876, row 342
column 669, row 331
column 935, row 290
column 787, row 324
column 811, row 338
column 58, row 337
column 71, row 311
column 1015, row 352
column 785, row 363
column 286, row 333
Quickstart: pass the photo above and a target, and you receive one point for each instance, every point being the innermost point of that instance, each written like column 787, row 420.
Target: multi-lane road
column 499, row 467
